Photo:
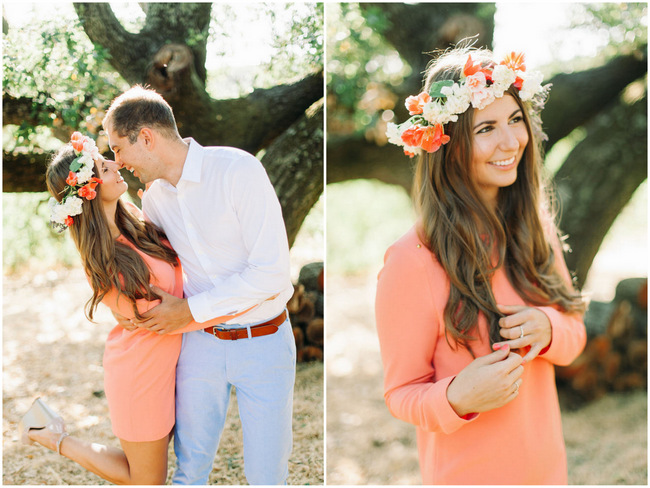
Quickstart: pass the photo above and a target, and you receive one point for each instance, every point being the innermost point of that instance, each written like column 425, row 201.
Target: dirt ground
column 606, row 440
column 51, row 350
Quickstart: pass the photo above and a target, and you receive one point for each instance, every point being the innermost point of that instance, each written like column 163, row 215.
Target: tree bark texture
column 600, row 177
column 296, row 174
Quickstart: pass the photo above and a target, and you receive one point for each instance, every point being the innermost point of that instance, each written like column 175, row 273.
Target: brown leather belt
column 266, row 328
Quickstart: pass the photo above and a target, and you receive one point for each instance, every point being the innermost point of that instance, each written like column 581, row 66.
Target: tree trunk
column 297, row 175
column 599, row 178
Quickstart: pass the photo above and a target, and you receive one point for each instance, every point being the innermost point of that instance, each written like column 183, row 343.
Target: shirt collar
column 193, row 162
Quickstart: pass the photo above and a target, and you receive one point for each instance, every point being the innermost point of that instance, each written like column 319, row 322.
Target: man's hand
column 170, row 314
column 123, row 321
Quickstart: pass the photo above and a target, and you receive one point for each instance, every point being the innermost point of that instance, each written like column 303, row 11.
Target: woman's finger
column 533, row 353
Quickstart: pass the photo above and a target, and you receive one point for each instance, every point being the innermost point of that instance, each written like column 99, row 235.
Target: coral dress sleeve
column 568, row 333
column 408, row 327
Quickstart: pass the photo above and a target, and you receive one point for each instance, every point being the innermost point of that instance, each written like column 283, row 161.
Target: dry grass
column 606, row 440
column 51, row 350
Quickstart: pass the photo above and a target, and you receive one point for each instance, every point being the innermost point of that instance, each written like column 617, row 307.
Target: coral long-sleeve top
column 518, row 443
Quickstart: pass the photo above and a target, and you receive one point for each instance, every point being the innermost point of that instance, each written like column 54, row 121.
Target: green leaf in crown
column 76, row 165
column 434, row 91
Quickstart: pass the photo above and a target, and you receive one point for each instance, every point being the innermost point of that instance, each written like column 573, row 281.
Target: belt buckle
column 216, row 329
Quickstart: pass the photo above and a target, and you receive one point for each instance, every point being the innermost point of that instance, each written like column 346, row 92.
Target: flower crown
column 80, row 183
column 478, row 86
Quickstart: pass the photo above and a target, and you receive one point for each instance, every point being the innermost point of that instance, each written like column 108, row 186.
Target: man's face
column 135, row 157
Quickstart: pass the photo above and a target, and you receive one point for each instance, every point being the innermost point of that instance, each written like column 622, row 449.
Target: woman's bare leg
column 140, row 463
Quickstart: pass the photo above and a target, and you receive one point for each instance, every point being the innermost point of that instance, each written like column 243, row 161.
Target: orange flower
column 472, row 68
column 433, row 138
column 88, row 192
column 94, row 182
column 415, row 105
column 77, row 141
column 413, row 136
column 69, row 221
column 515, row 61
column 409, row 153
column 71, row 179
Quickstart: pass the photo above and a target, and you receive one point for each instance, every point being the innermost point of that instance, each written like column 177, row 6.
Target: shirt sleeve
column 408, row 332
column 568, row 333
column 267, row 271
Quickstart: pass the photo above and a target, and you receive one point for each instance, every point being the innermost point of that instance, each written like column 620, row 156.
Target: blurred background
column 248, row 76
column 595, row 55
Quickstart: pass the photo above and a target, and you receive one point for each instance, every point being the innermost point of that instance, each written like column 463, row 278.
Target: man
column 223, row 218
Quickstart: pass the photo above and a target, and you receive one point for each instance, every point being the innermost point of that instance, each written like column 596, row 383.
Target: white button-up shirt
column 224, row 220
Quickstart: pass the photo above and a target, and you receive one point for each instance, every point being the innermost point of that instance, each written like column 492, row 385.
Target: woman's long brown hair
column 470, row 240
column 108, row 263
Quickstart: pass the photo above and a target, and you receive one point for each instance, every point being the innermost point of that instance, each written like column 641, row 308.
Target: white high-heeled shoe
column 40, row 416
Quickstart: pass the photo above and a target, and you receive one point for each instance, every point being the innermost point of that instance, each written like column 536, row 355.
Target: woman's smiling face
column 499, row 139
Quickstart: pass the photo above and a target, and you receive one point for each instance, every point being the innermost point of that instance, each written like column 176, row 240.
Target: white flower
column 84, row 174
column 532, row 84
column 394, row 134
column 90, row 148
column 73, row 205
column 482, row 98
column 412, row 149
column 502, row 78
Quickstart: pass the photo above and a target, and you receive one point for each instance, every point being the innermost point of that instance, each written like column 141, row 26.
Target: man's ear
column 148, row 137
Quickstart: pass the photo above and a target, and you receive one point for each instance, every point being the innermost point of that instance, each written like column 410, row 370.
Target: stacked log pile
column 306, row 313
column 615, row 357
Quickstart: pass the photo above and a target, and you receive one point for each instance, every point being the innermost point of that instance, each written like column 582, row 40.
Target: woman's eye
column 516, row 119
column 485, row 129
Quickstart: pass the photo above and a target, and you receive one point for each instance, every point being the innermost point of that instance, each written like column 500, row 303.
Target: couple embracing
column 198, row 282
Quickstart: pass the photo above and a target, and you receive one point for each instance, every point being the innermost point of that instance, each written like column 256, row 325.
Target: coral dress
column 518, row 443
column 140, row 366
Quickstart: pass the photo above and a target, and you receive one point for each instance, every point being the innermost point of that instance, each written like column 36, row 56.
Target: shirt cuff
column 448, row 419
column 200, row 307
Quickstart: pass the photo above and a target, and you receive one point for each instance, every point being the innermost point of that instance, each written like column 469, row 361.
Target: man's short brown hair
column 140, row 107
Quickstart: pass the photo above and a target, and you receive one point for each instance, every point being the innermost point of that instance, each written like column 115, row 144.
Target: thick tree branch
column 414, row 30
column 294, row 163
column 250, row 123
column 24, row 172
column 180, row 23
column 599, row 178
column 353, row 157
column 577, row 97
column 129, row 52
column 16, row 111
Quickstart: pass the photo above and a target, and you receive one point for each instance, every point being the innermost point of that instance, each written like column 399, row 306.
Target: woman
column 474, row 304
column 129, row 264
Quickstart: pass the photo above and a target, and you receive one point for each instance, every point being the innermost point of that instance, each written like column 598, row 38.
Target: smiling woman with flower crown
column 129, row 265
column 475, row 304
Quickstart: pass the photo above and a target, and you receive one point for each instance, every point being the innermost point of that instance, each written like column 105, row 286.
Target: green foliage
column 625, row 24
column 361, row 67
column 27, row 240
column 364, row 217
column 298, row 45
column 287, row 44
column 54, row 63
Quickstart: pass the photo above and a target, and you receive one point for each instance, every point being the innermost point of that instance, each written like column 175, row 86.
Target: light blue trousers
column 263, row 371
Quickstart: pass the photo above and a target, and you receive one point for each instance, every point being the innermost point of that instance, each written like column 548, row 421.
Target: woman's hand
column 487, row 383
column 529, row 322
